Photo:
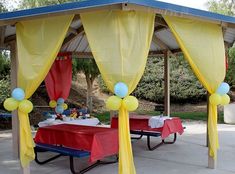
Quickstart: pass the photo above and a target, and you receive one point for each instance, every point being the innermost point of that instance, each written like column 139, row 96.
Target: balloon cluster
column 59, row 106
column 121, row 99
column 18, row 100
column 221, row 96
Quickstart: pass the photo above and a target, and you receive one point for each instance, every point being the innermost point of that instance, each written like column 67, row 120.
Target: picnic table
column 139, row 125
column 99, row 142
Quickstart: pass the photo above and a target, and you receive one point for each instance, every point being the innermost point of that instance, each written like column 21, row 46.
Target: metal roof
column 76, row 39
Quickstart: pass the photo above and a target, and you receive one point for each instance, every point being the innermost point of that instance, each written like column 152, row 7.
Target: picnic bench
column 64, row 151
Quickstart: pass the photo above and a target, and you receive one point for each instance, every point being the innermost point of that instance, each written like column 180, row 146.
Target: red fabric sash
column 58, row 80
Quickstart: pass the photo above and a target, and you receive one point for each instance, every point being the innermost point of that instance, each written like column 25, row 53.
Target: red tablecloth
column 99, row 141
column 170, row 126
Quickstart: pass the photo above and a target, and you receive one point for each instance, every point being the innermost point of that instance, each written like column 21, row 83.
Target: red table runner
column 100, row 142
column 170, row 126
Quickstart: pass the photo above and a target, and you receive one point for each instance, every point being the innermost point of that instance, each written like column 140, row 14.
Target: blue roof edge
column 98, row 3
column 183, row 10
column 58, row 8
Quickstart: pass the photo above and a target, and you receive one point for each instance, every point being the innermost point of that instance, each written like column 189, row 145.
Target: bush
column 4, row 64
column 4, row 89
column 230, row 74
column 184, row 86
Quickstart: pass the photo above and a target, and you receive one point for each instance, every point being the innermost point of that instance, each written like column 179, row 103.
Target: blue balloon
column 59, row 109
column 223, row 89
column 121, row 89
column 18, row 94
column 60, row 101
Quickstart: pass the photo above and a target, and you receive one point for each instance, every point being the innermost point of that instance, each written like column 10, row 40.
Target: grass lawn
column 105, row 117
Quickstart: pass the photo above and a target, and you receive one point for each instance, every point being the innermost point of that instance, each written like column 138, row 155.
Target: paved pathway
column 187, row 156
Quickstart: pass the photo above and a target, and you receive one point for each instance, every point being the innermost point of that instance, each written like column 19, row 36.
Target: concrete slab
column 187, row 156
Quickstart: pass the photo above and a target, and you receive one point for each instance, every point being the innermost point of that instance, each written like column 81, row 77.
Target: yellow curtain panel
column 120, row 42
column 203, row 46
column 38, row 42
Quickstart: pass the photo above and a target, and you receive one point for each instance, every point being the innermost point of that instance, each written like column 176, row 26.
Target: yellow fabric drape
column 203, row 46
column 120, row 41
column 38, row 43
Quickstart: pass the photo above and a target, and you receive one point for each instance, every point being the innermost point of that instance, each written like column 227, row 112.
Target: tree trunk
column 89, row 92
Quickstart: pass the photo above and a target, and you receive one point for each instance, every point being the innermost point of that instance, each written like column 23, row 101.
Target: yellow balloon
column 52, row 103
column 130, row 103
column 215, row 99
column 225, row 99
column 26, row 106
column 113, row 103
column 10, row 104
column 65, row 106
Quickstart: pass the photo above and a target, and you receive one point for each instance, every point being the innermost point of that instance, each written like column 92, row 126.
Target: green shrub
column 4, row 88
column 184, row 86
column 230, row 74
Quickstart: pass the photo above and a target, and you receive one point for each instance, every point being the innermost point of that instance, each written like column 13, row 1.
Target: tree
column 25, row 4
column 3, row 6
column 226, row 7
column 91, row 71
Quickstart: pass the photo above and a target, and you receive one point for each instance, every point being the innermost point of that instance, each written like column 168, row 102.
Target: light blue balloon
column 18, row 94
column 59, row 109
column 60, row 101
column 121, row 89
column 223, row 88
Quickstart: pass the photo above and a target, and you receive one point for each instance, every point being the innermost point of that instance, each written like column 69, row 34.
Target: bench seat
column 65, row 151
column 62, row 150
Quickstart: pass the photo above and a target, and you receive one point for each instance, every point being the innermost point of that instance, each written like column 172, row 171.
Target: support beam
column 112, row 114
column 159, row 28
column 25, row 170
column 73, row 36
column 82, row 55
column 9, row 39
column 151, row 53
column 207, row 111
column 161, row 44
column 72, row 30
column 160, row 21
column 211, row 162
column 15, row 120
column 166, row 84
column 2, row 35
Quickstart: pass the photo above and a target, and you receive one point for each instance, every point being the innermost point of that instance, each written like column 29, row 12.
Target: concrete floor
column 187, row 156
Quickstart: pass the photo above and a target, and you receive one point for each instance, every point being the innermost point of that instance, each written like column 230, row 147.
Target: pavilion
column 163, row 40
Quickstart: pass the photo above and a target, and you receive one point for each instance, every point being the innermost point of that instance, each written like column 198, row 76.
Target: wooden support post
column 211, row 161
column 166, row 84
column 15, row 120
column 112, row 114
column 207, row 107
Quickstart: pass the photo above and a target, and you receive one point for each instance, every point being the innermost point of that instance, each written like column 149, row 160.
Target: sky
column 199, row 4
